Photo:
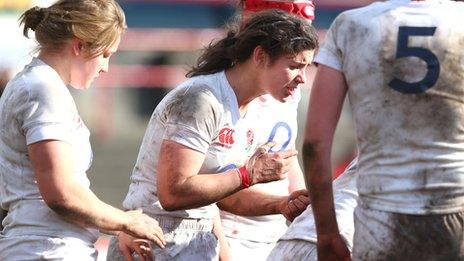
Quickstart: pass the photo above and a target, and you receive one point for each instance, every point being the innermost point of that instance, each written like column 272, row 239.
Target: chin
column 80, row 86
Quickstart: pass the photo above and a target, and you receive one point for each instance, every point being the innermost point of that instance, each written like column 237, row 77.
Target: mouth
column 291, row 90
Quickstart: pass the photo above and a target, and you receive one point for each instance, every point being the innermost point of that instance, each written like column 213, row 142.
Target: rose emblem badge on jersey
column 226, row 137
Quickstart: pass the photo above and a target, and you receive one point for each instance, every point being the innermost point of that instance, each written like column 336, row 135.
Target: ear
column 260, row 57
column 77, row 46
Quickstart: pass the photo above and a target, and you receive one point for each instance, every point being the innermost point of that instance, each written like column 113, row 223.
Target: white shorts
column 186, row 239
column 24, row 248
column 383, row 235
column 242, row 249
column 293, row 250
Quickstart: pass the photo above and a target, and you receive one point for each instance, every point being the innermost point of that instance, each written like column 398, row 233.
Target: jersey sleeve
column 192, row 119
column 330, row 53
column 47, row 114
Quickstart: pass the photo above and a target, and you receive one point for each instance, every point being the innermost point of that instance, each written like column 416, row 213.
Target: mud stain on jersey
column 195, row 108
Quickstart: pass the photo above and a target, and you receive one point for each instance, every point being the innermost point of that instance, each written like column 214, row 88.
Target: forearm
column 295, row 177
column 252, row 202
column 319, row 179
column 200, row 190
column 80, row 206
column 224, row 249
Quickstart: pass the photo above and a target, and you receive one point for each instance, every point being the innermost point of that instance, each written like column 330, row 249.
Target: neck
column 245, row 85
column 58, row 62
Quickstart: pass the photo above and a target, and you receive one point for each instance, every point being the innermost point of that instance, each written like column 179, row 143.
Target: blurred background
column 163, row 40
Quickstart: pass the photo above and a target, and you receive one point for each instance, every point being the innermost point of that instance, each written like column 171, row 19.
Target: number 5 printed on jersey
column 403, row 50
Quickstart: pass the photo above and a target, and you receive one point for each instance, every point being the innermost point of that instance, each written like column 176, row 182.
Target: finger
column 287, row 153
column 304, row 199
column 145, row 253
column 149, row 252
column 300, row 192
column 268, row 145
column 160, row 235
column 158, row 239
column 143, row 249
column 293, row 209
column 301, row 206
column 126, row 252
column 288, row 214
column 159, row 242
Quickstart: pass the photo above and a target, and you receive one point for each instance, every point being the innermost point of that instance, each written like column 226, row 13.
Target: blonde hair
column 96, row 22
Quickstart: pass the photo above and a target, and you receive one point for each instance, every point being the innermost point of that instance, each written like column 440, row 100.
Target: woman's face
column 87, row 69
column 284, row 75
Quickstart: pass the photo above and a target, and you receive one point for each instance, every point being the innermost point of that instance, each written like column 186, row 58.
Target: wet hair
column 96, row 22
column 276, row 31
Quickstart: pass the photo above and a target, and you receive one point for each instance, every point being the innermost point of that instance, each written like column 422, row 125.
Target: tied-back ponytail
column 276, row 31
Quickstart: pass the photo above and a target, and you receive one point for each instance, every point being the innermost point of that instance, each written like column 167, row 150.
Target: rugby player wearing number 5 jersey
column 401, row 63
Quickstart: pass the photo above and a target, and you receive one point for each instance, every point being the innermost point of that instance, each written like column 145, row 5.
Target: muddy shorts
column 293, row 250
column 186, row 239
column 383, row 235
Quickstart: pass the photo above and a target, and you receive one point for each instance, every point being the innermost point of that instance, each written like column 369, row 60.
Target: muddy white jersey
column 202, row 114
column 403, row 63
column 35, row 106
column 273, row 121
column 345, row 200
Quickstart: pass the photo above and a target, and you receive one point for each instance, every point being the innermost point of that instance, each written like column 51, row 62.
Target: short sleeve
column 47, row 114
column 192, row 118
column 330, row 53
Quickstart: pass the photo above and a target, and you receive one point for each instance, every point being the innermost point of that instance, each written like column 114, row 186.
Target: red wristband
column 244, row 177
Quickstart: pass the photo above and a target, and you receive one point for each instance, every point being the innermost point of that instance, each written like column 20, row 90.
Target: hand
column 265, row 166
column 128, row 245
column 332, row 247
column 144, row 227
column 297, row 202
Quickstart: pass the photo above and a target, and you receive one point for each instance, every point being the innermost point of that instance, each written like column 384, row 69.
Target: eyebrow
column 302, row 62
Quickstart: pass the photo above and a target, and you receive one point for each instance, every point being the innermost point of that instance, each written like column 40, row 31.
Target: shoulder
column 194, row 97
column 359, row 16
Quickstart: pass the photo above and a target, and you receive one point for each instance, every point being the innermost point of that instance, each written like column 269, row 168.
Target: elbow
column 169, row 202
column 61, row 207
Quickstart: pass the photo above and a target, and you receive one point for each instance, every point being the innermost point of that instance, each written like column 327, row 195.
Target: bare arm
column 224, row 249
column 180, row 186
column 295, row 177
column 252, row 202
column 326, row 100
column 53, row 167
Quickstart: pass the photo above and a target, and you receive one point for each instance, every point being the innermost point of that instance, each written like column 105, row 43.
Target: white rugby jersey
column 273, row 121
column 345, row 200
column 403, row 62
column 36, row 105
column 202, row 114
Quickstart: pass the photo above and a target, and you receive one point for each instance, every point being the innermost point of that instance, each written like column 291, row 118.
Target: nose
column 301, row 77
column 105, row 65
